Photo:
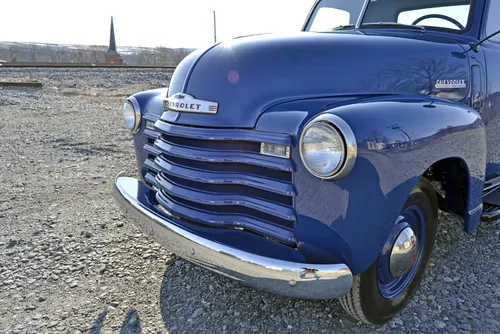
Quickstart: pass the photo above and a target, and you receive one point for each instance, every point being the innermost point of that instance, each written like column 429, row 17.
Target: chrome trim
column 182, row 102
column 404, row 252
column 138, row 114
column 476, row 210
column 343, row 150
column 491, row 186
column 362, row 14
column 296, row 280
column 350, row 145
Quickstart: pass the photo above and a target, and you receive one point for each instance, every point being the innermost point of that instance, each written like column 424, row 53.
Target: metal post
column 215, row 28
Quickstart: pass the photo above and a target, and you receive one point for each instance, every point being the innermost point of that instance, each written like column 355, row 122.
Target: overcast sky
column 171, row 23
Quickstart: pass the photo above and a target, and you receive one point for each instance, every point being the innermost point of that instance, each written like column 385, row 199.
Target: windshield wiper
column 393, row 24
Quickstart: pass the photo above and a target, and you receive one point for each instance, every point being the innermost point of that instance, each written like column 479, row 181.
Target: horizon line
column 100, row 45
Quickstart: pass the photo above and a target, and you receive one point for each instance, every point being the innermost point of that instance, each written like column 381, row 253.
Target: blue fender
column 398, row 138
column 151, row 104
column 151, row 101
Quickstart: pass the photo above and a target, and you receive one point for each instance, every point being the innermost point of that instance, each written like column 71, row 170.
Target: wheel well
column 450, row 178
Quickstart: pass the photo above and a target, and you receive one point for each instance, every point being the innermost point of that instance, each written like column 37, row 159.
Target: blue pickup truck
column 313, row 164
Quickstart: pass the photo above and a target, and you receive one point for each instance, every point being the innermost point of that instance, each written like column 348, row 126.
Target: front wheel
column 388, row 285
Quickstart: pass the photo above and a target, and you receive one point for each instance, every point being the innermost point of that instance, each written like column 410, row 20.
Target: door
column 490, row 111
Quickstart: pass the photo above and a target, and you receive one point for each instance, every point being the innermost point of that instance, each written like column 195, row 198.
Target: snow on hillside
column 67, row 53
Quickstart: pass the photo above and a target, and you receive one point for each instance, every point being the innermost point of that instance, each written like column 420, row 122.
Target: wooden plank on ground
column 20, row 84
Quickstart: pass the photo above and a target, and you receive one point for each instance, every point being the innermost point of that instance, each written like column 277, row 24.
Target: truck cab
column 313, row 164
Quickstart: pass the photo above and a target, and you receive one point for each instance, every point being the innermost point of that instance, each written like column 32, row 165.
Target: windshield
column 433, row 14
column 330, row 14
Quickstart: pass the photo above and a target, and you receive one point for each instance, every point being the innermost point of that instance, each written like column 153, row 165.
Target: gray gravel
column 70, row 263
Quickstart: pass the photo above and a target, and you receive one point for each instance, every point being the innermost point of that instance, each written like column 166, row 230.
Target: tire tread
column 352, row 301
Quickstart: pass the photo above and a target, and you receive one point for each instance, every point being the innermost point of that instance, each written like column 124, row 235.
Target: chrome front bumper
column 291, row 279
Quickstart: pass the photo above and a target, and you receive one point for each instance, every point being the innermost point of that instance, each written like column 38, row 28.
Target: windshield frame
column 308, row 22
column 362, row 14
column 468, row 27
column 471, row 21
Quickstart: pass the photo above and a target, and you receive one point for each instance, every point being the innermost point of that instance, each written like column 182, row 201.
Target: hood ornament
column 182, row 102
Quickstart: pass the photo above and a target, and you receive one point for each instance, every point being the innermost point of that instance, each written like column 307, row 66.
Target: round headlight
column 131, row 116
column 322, row 149
column 328, row 147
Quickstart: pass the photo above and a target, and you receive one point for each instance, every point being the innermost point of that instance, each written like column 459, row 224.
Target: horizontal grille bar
column 150, row 179
column 151, row 133
column 227, row 157
column 151, row 149
column 225, row 220
column 150, row 164
column 149, row 116
column 207, row 198
column 212, row 177
column 223, row 134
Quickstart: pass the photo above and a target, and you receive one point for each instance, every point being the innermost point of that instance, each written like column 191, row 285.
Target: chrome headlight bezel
column 349, row 145
column 136, row 112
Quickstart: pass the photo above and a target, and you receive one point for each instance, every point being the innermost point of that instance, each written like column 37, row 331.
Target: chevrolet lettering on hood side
column 314, row 164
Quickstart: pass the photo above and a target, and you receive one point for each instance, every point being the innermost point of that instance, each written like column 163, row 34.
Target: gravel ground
column 70, row 263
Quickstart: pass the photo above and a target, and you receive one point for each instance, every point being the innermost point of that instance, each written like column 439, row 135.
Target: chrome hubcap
column 404, row 252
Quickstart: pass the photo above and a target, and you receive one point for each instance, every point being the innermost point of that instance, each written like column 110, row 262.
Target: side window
column 493, row 23
column 327, row 18
column 459, row 13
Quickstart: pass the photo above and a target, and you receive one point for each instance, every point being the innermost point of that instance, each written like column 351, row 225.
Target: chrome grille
column 218, row 177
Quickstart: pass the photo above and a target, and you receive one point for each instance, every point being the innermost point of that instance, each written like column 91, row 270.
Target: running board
column 491, row 186
column 491, row 200
column 490, row 212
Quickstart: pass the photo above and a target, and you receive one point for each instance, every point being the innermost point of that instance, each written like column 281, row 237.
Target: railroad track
column 80, row 65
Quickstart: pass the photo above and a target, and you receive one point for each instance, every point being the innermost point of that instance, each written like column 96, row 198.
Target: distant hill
column 39, row 52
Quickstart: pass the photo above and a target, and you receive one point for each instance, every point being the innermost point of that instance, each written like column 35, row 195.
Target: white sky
column 170, row 23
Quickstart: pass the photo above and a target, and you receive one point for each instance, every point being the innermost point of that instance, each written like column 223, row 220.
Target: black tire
column 364, row 302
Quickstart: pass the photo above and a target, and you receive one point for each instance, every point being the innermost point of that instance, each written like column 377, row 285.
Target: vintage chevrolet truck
column 313, row 164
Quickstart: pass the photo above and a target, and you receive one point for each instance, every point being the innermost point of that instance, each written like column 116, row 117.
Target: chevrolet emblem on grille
column 182, row 102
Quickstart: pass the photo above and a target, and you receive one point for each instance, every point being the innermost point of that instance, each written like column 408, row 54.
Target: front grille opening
column 233, row 189
column 270, row 213
column 233, row 168
column 222, row 145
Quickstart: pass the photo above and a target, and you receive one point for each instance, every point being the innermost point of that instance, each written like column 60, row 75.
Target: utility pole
column 215, row 28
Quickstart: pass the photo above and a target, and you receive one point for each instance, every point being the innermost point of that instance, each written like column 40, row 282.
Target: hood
column 248, row 75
